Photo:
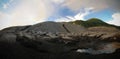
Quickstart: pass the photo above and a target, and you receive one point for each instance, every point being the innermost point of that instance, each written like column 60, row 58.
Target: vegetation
column 93, row 22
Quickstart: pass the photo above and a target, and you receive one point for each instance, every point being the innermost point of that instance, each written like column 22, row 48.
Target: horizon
column 28, row 12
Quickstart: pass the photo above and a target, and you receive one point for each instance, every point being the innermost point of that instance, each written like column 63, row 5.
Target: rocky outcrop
column 52, row 40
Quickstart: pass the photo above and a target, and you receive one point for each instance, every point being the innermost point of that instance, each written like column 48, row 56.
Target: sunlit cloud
column 116, row 19
column 27, row 13
column 4, row 20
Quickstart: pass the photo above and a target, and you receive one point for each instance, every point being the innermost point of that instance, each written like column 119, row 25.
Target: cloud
column 58, row 1
column 11, row 1
column 79, row 16
column 97, row 4
column 4, row 20
column 63, row 19
column 115, row 20
column 26, row 12
column 32, row 10
column 7, row 5
column 35, row 9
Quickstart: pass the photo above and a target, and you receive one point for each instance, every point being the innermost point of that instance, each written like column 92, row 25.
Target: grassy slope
column 93, row 22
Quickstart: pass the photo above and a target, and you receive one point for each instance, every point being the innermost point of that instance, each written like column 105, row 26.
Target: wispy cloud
column 6, row 5
column 79, row 16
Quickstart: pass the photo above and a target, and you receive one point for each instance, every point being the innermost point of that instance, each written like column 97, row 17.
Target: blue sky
column 7, row 5
column 26, row 12
column 1, row 4
column 104, row 15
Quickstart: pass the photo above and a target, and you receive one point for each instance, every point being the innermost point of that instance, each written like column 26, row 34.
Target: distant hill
column 93, row 22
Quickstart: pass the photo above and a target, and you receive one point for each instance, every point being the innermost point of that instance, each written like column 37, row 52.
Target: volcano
column 61, row 40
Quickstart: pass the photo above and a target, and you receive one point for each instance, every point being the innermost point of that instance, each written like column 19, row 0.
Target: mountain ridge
column 93, row 22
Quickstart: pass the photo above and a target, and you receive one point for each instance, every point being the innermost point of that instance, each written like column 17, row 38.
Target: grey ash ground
column 51, row 40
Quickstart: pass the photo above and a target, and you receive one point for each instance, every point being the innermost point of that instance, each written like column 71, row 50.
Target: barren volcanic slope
column 57, row 27
column 56, row 40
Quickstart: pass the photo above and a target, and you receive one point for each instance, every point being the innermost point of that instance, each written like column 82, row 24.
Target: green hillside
column 93, row 22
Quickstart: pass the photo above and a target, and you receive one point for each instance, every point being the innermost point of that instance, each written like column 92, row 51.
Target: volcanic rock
column 52, row 40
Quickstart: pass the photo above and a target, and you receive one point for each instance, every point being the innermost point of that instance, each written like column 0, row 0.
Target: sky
column 29, row 12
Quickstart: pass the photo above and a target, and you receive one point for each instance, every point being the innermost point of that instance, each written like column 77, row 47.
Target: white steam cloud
column 108, row 48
